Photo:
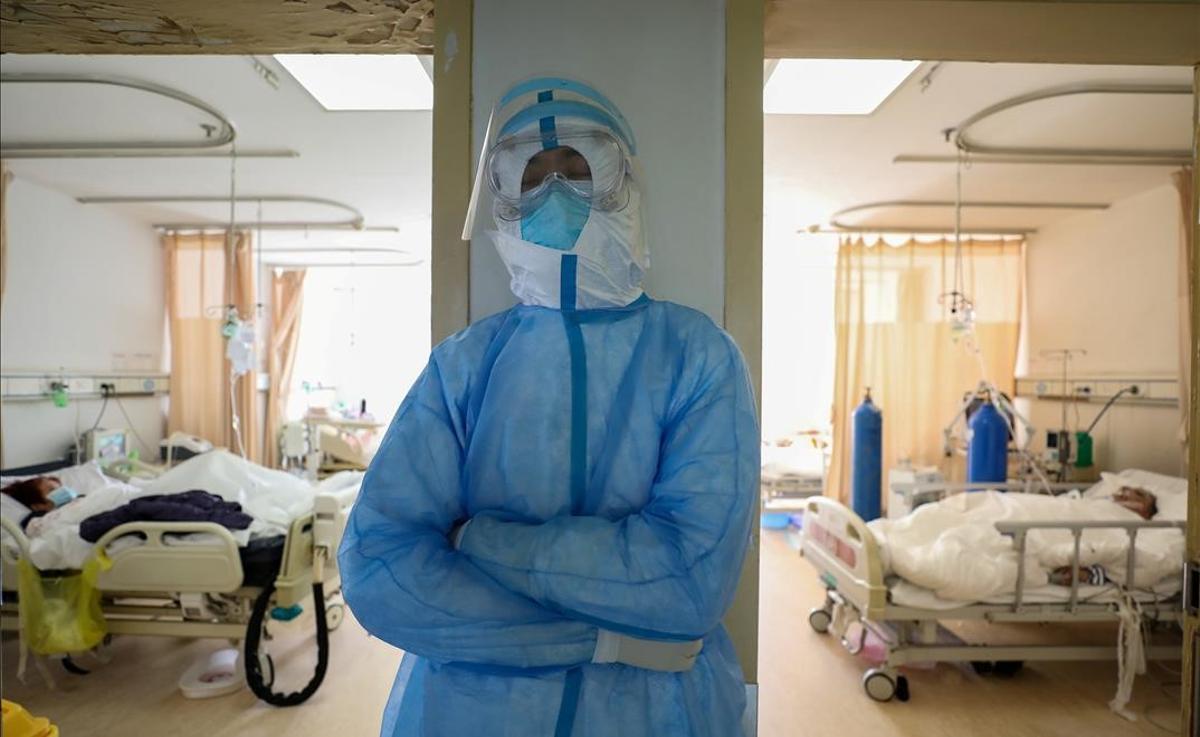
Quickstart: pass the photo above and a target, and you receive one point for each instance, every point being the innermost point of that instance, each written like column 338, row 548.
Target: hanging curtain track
column 222, row 134
column 268, row 253
column 355, row 222
column 293, row 265
column 981, row 153
column 837, row 226
column 991, row 233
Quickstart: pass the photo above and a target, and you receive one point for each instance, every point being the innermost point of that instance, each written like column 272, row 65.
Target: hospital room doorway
column 217, row 293
column 948, row 244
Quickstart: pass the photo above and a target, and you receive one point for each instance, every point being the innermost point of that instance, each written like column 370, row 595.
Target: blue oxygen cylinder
column 987, row 450
column 866, row 460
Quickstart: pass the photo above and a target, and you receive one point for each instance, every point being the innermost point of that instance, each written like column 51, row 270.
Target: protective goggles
column 591, row 165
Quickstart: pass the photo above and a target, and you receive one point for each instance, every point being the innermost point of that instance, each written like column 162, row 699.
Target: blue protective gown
column 608, row 461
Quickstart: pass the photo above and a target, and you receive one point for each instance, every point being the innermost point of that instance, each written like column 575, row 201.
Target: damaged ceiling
column 217, row 26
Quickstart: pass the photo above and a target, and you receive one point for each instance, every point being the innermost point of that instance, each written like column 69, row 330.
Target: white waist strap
column 660, row 655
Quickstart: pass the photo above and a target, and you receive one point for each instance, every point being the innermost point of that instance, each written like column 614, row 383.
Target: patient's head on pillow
column 1137, row 500
column 34, row 493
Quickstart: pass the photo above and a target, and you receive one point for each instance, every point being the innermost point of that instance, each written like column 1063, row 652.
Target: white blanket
column 953, row 549
column 273, row 498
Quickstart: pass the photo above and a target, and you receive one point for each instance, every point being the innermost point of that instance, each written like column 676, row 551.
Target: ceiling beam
column 216, row 26
column 1077, row 32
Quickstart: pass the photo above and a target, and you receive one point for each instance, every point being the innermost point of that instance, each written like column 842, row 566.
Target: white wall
column 1106, row 282
column 83, row 291
column 799, row 346
column 662, row 64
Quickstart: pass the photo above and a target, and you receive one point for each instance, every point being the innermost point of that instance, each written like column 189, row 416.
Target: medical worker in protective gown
column 556, row 520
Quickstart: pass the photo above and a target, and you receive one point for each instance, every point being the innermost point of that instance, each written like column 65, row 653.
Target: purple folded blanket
column 189, row 506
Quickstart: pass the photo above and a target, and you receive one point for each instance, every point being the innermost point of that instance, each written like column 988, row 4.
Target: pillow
column 12, row 510
column 84, row 478
column 1156, row 483
column 1170, row 492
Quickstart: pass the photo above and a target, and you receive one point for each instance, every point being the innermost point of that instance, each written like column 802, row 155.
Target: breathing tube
column 255, row 678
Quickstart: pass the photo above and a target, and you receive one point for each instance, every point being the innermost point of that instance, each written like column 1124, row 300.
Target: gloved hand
column 660, row 655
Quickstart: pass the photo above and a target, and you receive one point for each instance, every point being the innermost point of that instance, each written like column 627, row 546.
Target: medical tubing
column 254, row 674
column 136, row 435
column 1104, row 409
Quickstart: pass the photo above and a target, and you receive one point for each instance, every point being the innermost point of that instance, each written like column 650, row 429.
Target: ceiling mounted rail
column 974, row 160
column 962, row 140
column 219, row 136
column 356, row 221
column 837, row 226
column 286, row 265
column 279, row 257
column 902, row 230
column 346, row 249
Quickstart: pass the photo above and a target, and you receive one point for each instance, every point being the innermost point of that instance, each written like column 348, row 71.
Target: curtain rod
column 837, row 226
column 225, row 132
column 1003, row 233
column 292, row 265
column 963, row 142
column 355, row 222
column 294, row 225
column 1172, row 161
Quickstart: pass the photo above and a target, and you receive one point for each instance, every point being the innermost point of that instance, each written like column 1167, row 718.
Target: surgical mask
column 62, row 495
column 556, row 222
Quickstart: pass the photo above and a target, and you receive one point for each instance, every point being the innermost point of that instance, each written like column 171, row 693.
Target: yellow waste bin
column 15, row 721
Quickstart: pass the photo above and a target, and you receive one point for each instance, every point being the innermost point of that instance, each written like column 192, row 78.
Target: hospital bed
column 862, row 601
column 201, row 589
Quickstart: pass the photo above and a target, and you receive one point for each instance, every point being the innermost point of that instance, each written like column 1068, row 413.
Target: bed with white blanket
column 992, row 555
column 192, row 579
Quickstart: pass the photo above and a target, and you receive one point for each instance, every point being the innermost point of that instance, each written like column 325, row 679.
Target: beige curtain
column 1187, row 232
column 199, row 284
column 894, row 336
column 287, row 301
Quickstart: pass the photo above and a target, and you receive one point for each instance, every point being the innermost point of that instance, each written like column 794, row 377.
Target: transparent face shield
column 549, row 134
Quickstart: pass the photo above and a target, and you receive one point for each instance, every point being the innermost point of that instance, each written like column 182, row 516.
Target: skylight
column 362, row 81
column 833, row 86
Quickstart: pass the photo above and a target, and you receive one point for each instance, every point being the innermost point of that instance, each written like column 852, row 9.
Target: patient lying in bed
column 953, row 549
column 1139, row 501
column 273, row 499
column 39, row 494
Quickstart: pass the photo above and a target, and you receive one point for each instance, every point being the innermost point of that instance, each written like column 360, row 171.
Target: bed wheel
column 1008, row 668
column 902, row 688
column 880, row 686
column 335, row 614
column 820, row 619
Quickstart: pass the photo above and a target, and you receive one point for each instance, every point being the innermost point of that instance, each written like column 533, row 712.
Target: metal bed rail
column 1027, row 486
column 1020, row 531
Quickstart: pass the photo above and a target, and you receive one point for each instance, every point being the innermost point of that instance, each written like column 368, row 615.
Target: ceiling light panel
column 833, row 86
column 362, row 81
